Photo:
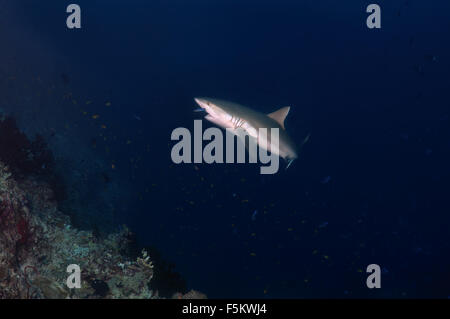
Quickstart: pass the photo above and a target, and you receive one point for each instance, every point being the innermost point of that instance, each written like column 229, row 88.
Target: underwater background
column 370, row 186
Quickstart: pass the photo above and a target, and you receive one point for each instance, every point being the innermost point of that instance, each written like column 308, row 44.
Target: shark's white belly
column 240, row 128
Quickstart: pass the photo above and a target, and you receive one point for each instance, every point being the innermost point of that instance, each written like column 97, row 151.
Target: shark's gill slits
column 237, row 122
column 233, row 120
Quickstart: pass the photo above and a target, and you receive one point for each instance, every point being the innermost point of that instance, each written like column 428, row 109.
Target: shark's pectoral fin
column 280, row 115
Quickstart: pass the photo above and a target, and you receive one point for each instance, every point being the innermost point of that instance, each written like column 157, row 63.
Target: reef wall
column 38, row 241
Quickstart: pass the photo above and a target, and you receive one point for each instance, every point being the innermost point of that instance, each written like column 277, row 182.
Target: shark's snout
column 201, row 102
column 211, row 108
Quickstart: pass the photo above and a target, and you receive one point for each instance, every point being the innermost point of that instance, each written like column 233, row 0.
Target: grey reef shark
column 229, row 115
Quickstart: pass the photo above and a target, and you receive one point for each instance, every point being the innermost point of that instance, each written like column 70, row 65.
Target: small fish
column 254, row 215
column 136, row 117
column 65, row 78
column 105, row 177
column 419, row 69
column 326, row 180
column 430, row 57
column 323, row 225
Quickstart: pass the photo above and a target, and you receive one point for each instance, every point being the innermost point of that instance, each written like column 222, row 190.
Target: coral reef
column 166, row 280
column 27, row 157
column 192, row 294
column 37, row 243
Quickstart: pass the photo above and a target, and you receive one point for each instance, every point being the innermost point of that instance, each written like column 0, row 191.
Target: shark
column 233, row 116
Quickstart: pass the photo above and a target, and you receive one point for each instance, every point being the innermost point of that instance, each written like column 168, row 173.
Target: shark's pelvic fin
column 280, row 115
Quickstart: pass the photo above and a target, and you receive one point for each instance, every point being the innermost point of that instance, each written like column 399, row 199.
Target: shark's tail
column 289, row 163
column 305, row 140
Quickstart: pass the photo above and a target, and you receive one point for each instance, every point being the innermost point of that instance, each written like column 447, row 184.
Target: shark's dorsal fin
column 280, row 115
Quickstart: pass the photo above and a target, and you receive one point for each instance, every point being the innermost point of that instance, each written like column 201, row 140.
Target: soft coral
column 23, row 229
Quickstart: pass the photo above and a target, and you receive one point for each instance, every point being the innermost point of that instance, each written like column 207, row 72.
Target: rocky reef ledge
column 38, row 243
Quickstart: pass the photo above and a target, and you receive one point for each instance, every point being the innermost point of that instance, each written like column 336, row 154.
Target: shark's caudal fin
column 305, row 140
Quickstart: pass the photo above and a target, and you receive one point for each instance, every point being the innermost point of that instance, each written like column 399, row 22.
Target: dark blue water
column 371, row 185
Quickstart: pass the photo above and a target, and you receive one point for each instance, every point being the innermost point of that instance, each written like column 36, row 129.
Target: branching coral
column 4, row 175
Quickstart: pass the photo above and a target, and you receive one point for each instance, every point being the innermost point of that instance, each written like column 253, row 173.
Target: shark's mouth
column 223, row 119
column 215, row 114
